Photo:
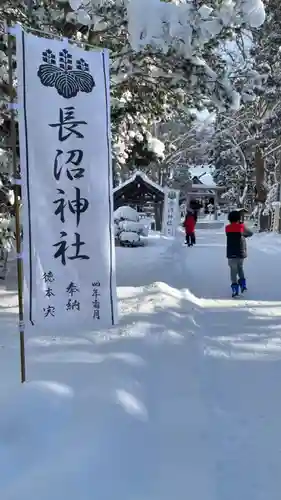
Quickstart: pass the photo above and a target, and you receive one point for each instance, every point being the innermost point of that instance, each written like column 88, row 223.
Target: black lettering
column 67, row 124
column 62, row 248
column 74, row 159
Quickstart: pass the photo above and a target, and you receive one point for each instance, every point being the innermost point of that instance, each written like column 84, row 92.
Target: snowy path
column 182, row 401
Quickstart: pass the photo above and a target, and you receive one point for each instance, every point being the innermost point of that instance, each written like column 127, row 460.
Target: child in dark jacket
column 189, row 225
column 236, row 251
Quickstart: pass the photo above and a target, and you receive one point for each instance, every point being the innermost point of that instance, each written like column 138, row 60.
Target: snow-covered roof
column 207, row 180
column 204, row 174
column 144, row 177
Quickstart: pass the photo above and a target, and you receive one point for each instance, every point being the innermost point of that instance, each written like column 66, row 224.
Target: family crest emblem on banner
column 172, row 195
column 65, row 78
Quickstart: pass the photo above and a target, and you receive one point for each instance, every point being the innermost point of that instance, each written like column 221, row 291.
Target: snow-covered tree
column 246, row 149
column 163, row 54
column 232, row 156
column 256, row 129
column 186, row 143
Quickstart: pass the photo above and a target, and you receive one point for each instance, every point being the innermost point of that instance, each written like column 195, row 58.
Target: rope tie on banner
column 21, row 326
column 11, row 30
column 16, row 182
column 12, row 106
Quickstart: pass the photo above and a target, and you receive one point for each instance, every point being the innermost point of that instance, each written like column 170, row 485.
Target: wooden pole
column 279, row 180
column 13, row 142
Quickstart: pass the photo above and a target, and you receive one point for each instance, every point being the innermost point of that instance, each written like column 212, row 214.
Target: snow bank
column 269, row 243
column 132, row 226
column 153, row 407
column 143, row 260
column 126, row 213
column 129, row 237
column 59, row 438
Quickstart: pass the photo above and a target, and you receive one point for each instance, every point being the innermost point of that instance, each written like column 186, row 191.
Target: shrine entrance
column 200, row 196
column 142, row 194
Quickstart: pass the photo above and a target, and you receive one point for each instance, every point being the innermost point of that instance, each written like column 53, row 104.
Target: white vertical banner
column 171, row 212
column 65, row 155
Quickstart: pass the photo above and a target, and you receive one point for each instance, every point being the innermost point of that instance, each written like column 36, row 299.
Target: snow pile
column 129, row 238
column 267, row 242
column 127, row 227
column 126, row 213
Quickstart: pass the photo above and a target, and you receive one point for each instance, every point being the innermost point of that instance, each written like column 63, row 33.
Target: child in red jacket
column 189, row 225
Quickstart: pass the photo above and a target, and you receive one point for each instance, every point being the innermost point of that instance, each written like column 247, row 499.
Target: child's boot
column 235, row 289
column 242, row 284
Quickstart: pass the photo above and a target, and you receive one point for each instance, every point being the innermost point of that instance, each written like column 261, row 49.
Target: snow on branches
column 255, row 127
column 165, row 58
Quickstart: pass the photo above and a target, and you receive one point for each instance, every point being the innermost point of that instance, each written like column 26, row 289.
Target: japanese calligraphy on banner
column 171, row 213
column 68, row 251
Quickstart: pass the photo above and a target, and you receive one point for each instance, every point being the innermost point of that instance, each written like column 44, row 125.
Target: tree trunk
column 114, row 174
column 261, row 193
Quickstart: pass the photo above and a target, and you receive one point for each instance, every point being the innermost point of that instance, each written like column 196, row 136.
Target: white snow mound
column 131, row 226
column 126, row 213
column 130, row 237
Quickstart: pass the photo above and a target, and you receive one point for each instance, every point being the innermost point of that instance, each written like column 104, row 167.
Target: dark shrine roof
column 138, row 188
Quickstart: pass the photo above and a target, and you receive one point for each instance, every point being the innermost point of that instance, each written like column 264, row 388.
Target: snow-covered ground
column 181, row 401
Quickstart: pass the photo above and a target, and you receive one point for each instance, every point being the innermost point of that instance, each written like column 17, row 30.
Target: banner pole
column 13, row 141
